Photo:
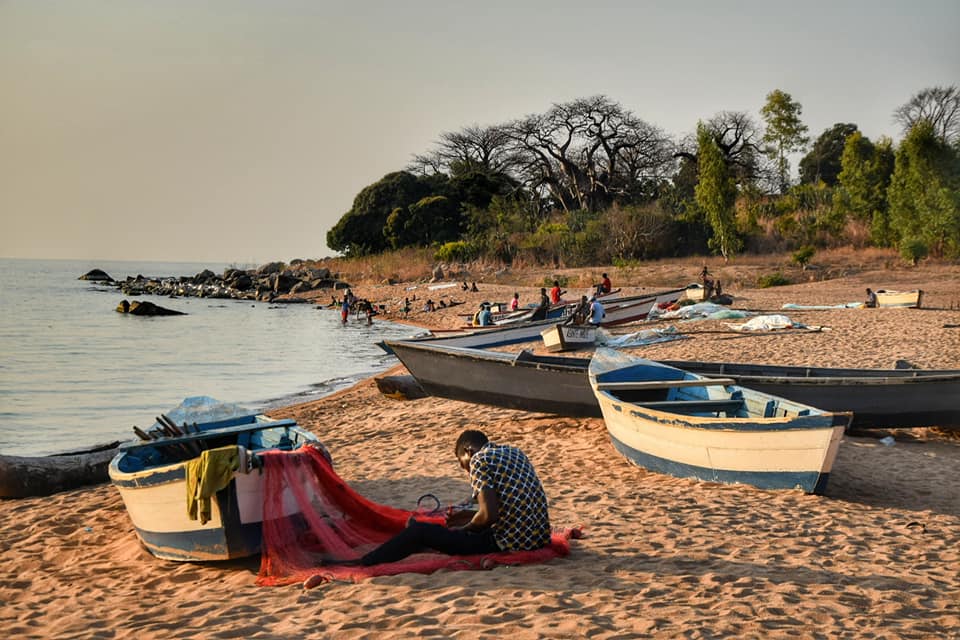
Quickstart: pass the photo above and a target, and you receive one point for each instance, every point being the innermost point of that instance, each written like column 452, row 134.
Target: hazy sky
column 240, row 131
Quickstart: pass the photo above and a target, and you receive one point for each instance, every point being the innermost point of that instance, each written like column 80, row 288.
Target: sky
column 240, row 131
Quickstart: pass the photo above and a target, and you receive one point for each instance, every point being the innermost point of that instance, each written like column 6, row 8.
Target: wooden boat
column 904, row 299
column 548, row 384
column 486, row 337
column 671, row 421
column 633, row 308
column 878, row 398
column 151, row 478
column 569, row 337
column 25, row 476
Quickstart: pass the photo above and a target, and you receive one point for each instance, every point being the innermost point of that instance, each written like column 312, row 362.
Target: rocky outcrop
column 267, row 283
column 144, row 308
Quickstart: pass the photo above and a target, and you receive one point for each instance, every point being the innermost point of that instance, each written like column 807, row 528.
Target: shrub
column 913, row 250
column 458, row 251
column 772, row 280
column 548, row 281
column 802, row 256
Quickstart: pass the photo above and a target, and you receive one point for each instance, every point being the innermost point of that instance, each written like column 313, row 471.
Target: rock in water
column 97, row 275
column 138, row 308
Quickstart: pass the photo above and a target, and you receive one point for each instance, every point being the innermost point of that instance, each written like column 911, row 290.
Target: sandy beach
column 878, row 556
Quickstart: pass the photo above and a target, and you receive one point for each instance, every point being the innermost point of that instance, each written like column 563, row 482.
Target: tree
column 474, row 148
column 737, row 137
column 785, row 132
column 864, row 176
column 940, row 106
column 716, row 194
column 824, row 159
column 923, row 193
column 361, row 230
column 589, row 153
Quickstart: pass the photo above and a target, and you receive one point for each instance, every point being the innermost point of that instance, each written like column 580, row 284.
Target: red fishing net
column 310, row 513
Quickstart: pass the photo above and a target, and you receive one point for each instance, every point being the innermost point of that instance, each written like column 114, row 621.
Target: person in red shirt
column 555, row 293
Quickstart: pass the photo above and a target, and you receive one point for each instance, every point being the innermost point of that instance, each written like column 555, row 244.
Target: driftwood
column 23, row 476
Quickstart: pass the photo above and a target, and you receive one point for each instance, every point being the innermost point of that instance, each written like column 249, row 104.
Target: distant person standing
column 871, row 302
column 555, row 293
column 596, row 312
column 344, row 309
column 515, row 303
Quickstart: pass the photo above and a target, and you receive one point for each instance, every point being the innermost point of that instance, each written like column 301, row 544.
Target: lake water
column 74, row 372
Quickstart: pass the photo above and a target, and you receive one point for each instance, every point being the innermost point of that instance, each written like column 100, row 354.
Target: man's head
column 469, row 442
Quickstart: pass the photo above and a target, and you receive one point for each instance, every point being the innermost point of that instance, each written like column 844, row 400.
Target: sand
column 877, row 557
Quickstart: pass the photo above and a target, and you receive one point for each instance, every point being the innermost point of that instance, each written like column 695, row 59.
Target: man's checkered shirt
column 523, row 524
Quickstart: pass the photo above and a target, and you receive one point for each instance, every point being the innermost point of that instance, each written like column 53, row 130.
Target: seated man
column 512, row 513
column 871, row 302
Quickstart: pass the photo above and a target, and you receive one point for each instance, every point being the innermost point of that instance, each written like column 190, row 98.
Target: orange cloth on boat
column 206, row 475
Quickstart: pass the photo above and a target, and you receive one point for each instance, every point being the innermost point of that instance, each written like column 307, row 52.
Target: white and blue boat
column 670, row 421
column 151, row 476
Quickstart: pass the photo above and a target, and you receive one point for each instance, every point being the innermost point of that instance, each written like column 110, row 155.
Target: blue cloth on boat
column 206, row 475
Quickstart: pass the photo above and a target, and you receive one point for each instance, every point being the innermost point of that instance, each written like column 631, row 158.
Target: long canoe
column 547, row 384
column 25, row 476
column 878, row 398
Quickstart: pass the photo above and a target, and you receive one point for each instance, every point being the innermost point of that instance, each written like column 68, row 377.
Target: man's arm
column 488, row 513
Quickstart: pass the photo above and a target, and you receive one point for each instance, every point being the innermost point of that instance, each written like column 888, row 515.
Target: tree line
column 590, row 182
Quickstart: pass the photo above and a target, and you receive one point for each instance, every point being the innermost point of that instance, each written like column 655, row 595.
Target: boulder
column 97, row 275
column 144, row 308
column 437, row 274
column 270, row 268
column 205, row 277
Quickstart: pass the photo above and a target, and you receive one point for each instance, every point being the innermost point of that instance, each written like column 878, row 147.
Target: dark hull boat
column 878, row 398
column 547, row 384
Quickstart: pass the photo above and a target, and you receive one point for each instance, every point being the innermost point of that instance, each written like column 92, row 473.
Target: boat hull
column 878, row 398
column 901, row 299
column 569, row 337
column 155, row 499
column 530, row 383
column 768, row 442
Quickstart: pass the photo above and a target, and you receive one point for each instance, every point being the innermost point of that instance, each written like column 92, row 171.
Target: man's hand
column 458, row 519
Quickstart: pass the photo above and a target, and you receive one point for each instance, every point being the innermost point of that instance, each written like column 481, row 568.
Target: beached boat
column 569, row 337
column 548, row 384
column 485, row 337
column 878, row 398
column 25, row 476
column 151, row 477
column 671, row 421
column 621, row 310
column 904, row 299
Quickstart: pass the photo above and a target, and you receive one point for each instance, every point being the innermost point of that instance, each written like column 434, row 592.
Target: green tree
column 785, row 132
column 923, row 193
column 823, row 161
column 361, row 230
column 716, row 194
column 862, row 185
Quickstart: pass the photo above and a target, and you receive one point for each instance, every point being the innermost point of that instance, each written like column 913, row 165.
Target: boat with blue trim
column 686, row 425
column 154, row 473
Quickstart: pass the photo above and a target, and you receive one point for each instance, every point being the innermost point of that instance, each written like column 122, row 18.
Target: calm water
column 73, row 372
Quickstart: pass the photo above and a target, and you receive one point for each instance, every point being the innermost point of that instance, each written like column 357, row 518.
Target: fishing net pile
column 310, row 514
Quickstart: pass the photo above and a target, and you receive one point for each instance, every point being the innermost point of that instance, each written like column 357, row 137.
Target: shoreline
column 662, row 556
